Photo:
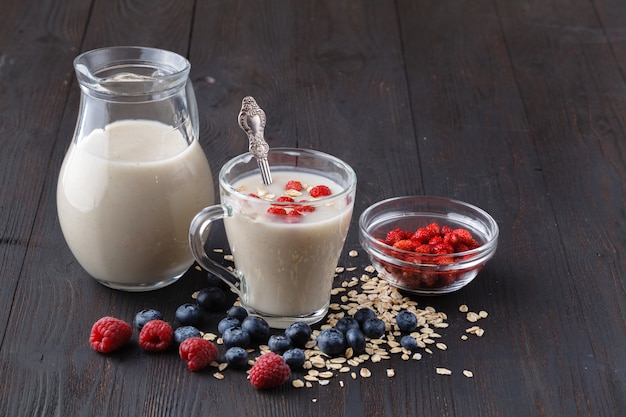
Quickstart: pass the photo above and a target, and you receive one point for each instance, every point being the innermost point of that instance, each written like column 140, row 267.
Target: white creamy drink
column 288, row 262
column 125, row 198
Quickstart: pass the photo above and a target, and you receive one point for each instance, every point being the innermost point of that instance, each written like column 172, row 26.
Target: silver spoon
column 252, row 121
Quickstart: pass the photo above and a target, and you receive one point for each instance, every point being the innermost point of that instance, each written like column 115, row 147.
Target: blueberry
column 236, row 336
column 211, row 299
column 373, row 328
column 189, row 314
column 331, row 341
column 185, row 332
column 406, row 321
column 144, row 316
column 299, row 333
column 279, row 343
column 236, row 356
column 346, row 323
column 294, row 357
column 363, row 314
column 257, row 327
column 356, row 340
column 238, row 312
column 216, row 282
column 226, row 323
column 409, row 342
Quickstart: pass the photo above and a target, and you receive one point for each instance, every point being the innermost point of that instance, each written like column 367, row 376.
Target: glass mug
column 134, row 174
column 284, row 263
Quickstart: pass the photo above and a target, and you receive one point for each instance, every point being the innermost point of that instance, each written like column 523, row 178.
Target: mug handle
column 198, row 233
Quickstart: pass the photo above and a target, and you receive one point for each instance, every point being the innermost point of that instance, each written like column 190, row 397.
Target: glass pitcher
column 135, row 174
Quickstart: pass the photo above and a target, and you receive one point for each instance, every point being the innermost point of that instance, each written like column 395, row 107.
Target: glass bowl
column 427, row 273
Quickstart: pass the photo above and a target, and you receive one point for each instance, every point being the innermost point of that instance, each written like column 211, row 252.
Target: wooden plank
column 32, row 98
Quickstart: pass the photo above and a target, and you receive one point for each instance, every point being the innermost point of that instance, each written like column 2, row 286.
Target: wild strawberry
column 434, row 228
column 436, row 240
column 269, row 371
column 277, row 210
column 424, row 248
column 197, row 352
column 443, row 248
column 156, row 336
column 422, row 235
column 463, row 235
column 285, row 199
column 445, row 230
column 293, row 185
column 404, row 244
column 320, row 191
column 394, row 236
column 109, row 334
column 304, row 209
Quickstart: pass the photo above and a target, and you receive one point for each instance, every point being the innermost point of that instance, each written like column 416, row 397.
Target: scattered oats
column 218, row 250
column 339, row 269
column 444, row 371
column 351, row 268
column 197, row 268
column 391, row 373
column 293, row 193
column 441, row 346
column 314, row 400
column 218, row 375
column 376, row 358
column 417, row 356
column 483, row 314
column 344, row 369
column 326, row 374
column 463, row 308
column 311, row 378
column 464, row 337
column 353, row 254
column 428, row 351
column 365, row 373
column 472, row 317
column 370, row 269
column 324, row 382
column 314, row 372
column 222, row 366
column 336, row 291
column 341, row 384
column 468, row 374
column 229, row 258
column 353, row 375
column 308, row 384
column 297, row 383
column 405, row 357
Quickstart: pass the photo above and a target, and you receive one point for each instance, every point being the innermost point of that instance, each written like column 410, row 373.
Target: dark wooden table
column 518, row 107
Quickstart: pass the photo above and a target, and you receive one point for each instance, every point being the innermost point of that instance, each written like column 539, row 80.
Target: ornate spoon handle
column 252, row 121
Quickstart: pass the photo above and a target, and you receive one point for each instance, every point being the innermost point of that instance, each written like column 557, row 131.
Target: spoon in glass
column 252, row 121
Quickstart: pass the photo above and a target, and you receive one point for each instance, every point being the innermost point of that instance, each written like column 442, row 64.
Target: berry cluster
column 286, row 205
column 351, row 332
column 238, row 330
column 432, row 239
column 432, row 245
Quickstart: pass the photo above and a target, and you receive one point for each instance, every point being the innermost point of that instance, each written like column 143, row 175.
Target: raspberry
column 285, row 199
column 269, row 371
column 320, row 191
column 293, row 185
column 197, row 352
column 109, row 334
column 156, row 336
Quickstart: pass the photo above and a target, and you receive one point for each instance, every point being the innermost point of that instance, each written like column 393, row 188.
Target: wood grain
column 517, row 107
